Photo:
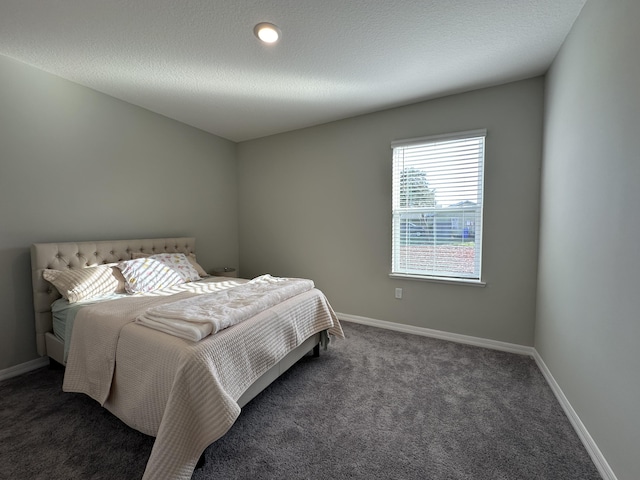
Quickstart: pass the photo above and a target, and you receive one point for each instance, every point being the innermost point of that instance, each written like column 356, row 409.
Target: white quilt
column 197, row 317
column 184, row 393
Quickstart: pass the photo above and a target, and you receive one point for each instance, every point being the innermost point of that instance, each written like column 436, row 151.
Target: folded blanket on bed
column 197, row 317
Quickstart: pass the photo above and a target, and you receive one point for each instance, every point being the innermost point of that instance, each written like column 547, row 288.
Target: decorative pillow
column 83, row 283
column 180, row 263
column 157, row 271
column 191, row 257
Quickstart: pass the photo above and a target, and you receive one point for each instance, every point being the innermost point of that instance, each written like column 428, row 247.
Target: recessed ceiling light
column 267, row 32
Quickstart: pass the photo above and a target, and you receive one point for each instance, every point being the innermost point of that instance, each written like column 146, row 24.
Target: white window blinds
column 437, row 206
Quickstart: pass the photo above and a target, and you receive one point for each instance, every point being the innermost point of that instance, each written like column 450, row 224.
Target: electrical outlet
column 398, row 293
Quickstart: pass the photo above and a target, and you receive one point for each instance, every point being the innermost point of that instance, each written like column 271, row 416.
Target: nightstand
column 224, row 272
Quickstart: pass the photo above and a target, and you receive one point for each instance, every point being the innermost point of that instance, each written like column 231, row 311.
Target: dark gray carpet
column 379, row 405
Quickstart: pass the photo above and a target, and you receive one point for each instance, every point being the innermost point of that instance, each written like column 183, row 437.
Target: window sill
column 450, row 281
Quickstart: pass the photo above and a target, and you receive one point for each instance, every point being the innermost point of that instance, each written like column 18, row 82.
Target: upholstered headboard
column 59, row 256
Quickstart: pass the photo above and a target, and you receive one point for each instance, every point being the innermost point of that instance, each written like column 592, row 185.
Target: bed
column 185, row 393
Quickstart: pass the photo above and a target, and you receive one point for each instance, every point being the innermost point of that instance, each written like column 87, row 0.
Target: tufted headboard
column 59, row 256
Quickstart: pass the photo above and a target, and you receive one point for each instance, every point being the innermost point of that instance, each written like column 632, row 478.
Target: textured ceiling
column 197, row 61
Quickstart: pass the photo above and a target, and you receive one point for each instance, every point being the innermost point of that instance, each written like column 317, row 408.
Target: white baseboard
column 23, row 368
column 428, row 332
column 590, row 445
column 594, row 452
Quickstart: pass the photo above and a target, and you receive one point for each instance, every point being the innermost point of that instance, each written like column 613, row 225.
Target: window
column 437, row 206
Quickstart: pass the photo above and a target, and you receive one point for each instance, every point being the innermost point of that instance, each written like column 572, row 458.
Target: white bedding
column 184, row 393
column 197, row 317
column 64, row 313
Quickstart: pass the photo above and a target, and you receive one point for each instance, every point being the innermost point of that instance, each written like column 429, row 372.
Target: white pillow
column 157, row 271
column 180, row 263
column 191, row 257
column 84, row 283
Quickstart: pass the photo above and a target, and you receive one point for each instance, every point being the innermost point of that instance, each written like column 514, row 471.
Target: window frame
column 474, row 279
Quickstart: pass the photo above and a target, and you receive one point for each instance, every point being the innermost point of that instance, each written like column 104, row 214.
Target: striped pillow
column 84, row 283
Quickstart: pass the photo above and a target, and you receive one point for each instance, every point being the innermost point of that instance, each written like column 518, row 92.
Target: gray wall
column 317, row 203
column 588, row 320
column 79, row 165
